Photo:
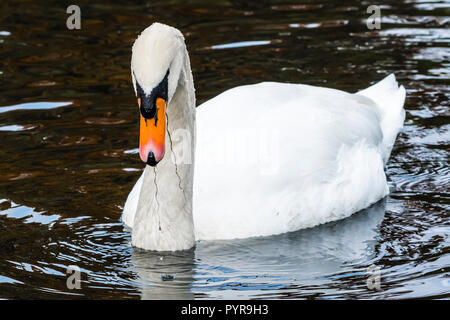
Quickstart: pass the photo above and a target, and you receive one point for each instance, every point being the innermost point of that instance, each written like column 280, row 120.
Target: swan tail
column 390, row 99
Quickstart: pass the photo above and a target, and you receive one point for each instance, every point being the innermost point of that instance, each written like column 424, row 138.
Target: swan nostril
column 151, row 161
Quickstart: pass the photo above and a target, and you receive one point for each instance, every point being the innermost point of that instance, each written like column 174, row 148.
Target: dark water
column 69, row 133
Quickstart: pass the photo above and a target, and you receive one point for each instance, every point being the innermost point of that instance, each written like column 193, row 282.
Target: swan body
column 263, row 159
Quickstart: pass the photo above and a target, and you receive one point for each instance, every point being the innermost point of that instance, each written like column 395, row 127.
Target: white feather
column 269, row 158
column 390, row 99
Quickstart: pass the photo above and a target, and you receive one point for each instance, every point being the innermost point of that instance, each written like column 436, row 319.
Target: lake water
column 69, row 133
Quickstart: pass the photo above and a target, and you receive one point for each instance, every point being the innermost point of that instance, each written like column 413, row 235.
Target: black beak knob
column 151, row 161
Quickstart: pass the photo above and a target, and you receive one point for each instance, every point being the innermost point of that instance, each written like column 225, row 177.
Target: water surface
column 69, row 133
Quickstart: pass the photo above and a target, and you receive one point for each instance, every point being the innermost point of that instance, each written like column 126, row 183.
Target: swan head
column 156, row 63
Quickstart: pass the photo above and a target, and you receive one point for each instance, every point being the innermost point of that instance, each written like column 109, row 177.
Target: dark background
column 66, row 171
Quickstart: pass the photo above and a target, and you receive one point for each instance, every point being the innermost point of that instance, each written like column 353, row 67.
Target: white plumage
column 272, row 158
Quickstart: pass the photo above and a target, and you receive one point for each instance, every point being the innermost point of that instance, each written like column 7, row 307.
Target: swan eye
column 147, row 102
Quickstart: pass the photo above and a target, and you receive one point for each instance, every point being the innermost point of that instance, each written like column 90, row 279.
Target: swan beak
column 153, row 134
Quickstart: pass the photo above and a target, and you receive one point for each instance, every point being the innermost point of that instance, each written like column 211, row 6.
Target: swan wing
column 275, row 157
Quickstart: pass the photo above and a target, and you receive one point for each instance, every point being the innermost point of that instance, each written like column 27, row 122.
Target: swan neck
column 164, row 220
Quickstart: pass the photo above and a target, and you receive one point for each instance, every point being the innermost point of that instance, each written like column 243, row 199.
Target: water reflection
column 164, row 275
column 306, row 258
column 34, row 106
column 68, row 128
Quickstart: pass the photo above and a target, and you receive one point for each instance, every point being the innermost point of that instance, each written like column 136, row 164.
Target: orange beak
column 153, row 134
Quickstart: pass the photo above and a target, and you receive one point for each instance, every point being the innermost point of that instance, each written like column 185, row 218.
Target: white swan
column 305, row 155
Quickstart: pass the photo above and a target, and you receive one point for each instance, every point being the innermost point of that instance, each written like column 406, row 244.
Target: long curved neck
column 164, row 220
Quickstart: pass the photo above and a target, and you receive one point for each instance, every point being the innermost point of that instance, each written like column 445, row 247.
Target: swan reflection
column 164, row 275
column 306, row 257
